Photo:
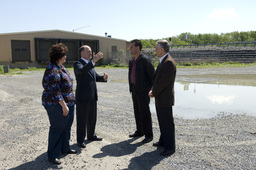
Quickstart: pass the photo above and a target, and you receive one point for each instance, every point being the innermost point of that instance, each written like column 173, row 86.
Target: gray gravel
column 223, row 142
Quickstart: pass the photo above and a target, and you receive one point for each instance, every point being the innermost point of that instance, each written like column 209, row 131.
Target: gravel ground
column 223, row 142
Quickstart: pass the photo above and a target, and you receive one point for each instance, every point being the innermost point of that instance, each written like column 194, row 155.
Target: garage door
column 20, row 50
column 42, row 48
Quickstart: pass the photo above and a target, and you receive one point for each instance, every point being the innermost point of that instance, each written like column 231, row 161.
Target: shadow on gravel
column 146, row 160
column 40, row 162
column 119, row 149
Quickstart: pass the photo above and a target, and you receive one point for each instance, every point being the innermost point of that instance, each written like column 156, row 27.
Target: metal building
column 27, row 49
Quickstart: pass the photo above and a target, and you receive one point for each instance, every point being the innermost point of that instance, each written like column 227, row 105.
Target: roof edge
column 57, row 30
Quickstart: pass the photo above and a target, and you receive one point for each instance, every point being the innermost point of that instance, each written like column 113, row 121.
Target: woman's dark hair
column 56, row 52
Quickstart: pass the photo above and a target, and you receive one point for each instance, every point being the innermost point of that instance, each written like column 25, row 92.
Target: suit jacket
column 163, row 82
column 143, row 74
column 86, row 89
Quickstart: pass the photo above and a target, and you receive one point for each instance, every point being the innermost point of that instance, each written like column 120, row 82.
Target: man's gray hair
column 163, row 44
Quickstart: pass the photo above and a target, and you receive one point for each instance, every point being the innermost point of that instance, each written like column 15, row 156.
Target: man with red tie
column 140, row 78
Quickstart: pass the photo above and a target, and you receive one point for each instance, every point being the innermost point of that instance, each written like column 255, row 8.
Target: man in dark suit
column 163, row 91
column 86, row 94
column 140, row 76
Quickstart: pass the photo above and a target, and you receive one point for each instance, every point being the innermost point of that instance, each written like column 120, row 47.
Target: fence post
column 179, row 57
column 219, row 54
column 191, row 56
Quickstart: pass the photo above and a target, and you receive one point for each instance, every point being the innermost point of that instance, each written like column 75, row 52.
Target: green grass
column 1, row 69
column 214, row 64
column 13, row 71
column 114, row 66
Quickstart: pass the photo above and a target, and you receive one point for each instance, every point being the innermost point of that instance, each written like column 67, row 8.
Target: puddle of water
column 197, row 100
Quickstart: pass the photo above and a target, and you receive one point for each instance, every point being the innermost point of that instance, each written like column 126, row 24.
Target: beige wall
column 105, row 44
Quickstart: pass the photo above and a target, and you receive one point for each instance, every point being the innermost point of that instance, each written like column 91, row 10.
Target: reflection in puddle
column 195, row 100
column 221, row 99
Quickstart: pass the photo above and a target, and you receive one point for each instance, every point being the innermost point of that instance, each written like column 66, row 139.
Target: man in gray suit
column 163, row 91
column 86, row 94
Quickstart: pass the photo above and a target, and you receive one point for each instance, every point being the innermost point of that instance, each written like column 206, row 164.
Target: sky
column 129, row 19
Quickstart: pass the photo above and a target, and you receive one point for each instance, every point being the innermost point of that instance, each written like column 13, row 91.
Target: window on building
column 114, row 49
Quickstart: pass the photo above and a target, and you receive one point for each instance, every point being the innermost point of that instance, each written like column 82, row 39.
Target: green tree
column 176, row 41
column 244, row 36
column 235, row 36
column 215, row 39
column 205, row 38
column 252, row 35
column 146, row 44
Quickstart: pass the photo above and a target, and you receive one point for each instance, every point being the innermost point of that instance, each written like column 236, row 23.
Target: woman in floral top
column 59, row 100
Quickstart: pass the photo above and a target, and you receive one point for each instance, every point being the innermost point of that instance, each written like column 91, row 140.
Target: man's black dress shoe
column 55, row 161
column 95, row 138
column 71, row 151
column 157, row 144
column 136, row 134
column 167, row 152
column 147, row 139
column 81, row 145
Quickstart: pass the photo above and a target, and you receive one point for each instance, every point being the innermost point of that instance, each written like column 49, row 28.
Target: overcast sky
column 129, row 19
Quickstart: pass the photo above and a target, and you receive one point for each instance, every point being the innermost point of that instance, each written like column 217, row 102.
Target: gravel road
column 223, row 142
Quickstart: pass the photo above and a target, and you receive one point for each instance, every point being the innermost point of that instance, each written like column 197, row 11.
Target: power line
column 80, row 28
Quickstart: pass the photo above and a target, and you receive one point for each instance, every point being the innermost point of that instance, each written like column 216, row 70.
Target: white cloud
column 215, row 99
column 229, row 13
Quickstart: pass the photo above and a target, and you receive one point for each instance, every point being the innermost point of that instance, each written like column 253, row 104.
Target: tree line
column 197, row 39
